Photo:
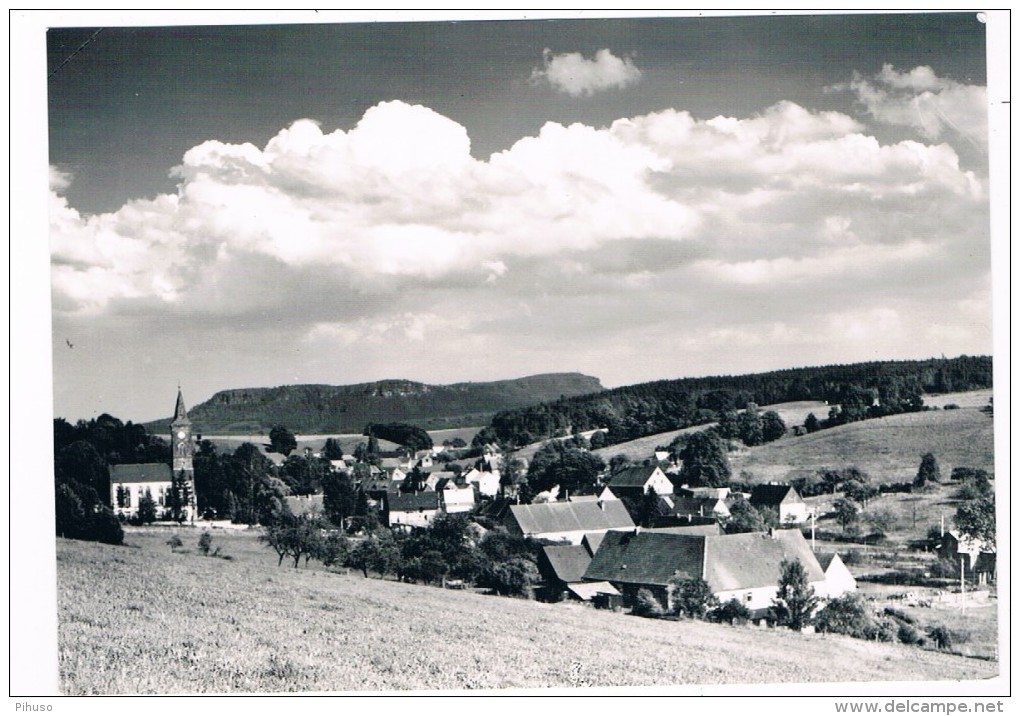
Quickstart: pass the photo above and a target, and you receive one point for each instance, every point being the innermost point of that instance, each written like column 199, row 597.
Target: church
column 130, row 483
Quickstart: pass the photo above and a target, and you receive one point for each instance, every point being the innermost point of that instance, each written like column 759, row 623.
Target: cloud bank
column 578, row 76
column 654, row 244
column 933, row 106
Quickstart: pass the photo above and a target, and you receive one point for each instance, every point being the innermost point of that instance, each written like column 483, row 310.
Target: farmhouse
column 561, row 565
column 688, row 507
column 977, row 558
column 785, row 499
column 567, row 521
column 411, row 509
column 487, row 482
column 454, row 497
column 636, row 481
column 746, row 567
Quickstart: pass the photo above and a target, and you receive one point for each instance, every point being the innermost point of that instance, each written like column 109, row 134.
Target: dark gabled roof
column 632, row 476
column 726, row 562
column 825, row 559
column 774, row 495
column 141, row 472
column 688, row 524
column 712, row 529
column 567, row 562
column 571, row 517
column 646, row 557
column 411, row 502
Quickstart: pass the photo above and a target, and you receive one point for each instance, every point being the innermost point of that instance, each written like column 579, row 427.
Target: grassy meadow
column 139, row 619
column 889, row 449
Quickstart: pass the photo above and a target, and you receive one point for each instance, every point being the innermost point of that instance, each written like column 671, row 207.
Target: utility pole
column 963, row 589
column 813, row 516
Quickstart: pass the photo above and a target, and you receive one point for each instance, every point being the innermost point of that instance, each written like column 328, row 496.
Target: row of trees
column 448, row 550
column 861, row 390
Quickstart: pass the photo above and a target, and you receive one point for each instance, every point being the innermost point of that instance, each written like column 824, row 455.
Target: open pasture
column 140, row 619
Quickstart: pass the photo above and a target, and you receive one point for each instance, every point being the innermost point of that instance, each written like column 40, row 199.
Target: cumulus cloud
column 762, row 229
column 573, row 73
column 933, row 106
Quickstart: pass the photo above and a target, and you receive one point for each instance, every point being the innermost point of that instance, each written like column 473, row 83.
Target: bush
column 174, row 543
column 205, row 543
column 947, row 568
column 908, row 634
column 846, row 614
column 646, row 605
column 105, row 527
column 940, row 636
column 732, row 612
column 853, row 557
column 899, row 615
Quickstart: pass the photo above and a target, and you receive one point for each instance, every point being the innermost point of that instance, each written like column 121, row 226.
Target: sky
column 631, row 198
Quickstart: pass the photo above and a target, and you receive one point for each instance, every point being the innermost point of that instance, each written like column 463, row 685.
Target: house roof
column 141, row 472
column 588, row 590
column 411, row 502
column 825, row 559
column 726, row 562
column 633, row 476
column 774, row 495
column 567, row 562
column 646, row 557
column 571, row 517
column 749, row 560
column 592, row 540
column 710, row 528
column 702, row 506
column 965, row 544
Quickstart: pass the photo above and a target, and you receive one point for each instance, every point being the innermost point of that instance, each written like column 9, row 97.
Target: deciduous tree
column 692, row 597
column 282, row 440
column 928, row 473
column 795, row 600
column 705, row 461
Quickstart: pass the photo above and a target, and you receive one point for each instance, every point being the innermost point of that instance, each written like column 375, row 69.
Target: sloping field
column 889, row 449
column 140, row 619
column 791, row 413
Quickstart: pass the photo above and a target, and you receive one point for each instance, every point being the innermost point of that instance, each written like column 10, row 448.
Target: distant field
column 791, row 413
column 139, row 619
column 465, row 434
column 889, row 449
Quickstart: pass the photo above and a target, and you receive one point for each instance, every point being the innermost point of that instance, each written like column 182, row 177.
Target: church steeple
column 183, row 447
column 180, row 412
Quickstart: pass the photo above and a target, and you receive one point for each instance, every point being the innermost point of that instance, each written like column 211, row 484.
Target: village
column 636, row 539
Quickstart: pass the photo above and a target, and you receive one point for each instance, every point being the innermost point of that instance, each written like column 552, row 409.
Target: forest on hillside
column 861, row 390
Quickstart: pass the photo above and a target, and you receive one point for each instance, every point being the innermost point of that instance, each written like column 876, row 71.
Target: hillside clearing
column 889, row 449
column 140, row 619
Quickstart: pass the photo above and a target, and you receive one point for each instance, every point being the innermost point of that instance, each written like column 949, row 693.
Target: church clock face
column 180, row 434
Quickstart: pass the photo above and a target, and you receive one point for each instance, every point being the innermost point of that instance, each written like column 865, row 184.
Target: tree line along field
column 888, row 449
column 140, row 619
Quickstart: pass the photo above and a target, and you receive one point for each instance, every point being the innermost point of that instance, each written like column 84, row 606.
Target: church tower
column 184, row 452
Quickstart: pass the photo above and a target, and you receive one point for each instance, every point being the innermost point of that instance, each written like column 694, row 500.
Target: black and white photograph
column 513, row 354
